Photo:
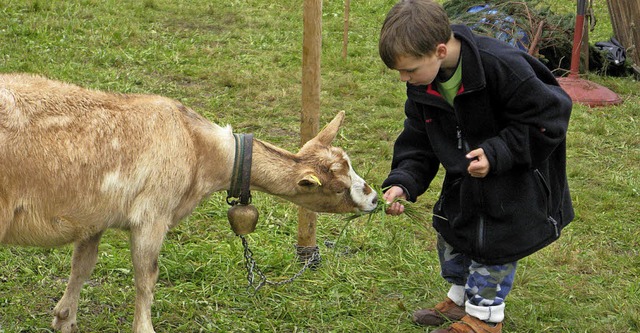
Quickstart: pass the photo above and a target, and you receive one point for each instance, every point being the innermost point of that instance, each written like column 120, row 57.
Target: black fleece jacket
column 510, row 105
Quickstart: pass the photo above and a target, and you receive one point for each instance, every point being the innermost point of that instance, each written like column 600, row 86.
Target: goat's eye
column 338, row 187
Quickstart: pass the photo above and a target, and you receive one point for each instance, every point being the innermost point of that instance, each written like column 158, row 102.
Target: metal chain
column 252, row 267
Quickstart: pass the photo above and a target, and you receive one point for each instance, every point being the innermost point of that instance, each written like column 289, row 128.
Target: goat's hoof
column 62, row 324
column 61, row 315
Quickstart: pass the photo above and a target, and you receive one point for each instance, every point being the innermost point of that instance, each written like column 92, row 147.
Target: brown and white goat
column 75, row 162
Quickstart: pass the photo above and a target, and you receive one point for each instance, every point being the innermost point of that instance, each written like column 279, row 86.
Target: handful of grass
column 414, row 213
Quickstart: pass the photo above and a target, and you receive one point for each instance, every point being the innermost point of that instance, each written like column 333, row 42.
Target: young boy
column 496, row 119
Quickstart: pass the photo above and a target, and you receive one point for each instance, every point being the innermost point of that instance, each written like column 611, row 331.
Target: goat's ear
column 329, row 132
column 309, row 180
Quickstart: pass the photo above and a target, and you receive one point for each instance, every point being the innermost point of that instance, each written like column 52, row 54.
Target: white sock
column 457, row 294
column 492, row 314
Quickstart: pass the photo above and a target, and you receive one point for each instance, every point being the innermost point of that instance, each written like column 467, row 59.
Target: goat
column 75, row 162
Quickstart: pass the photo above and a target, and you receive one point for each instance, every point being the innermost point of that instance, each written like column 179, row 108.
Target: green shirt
column 449, row 89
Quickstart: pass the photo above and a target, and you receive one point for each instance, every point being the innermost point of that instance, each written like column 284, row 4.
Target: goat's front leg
column 85, row 255
column 146, row 242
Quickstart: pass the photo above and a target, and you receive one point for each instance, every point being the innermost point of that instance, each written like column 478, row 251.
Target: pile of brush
column 527, row 24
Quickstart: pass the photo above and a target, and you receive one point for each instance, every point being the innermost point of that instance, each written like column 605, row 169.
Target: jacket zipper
column 555, row 225
column 444, row 194
column 481, row 232
column 481, row 223
column 547, row 200
column 462, row 144
column 481, row 219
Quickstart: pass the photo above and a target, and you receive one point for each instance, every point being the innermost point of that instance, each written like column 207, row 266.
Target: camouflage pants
column 484, row 285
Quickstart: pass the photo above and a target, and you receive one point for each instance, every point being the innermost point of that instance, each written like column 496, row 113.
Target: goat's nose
column 375, row 201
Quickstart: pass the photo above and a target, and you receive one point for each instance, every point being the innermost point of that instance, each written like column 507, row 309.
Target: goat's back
column 75, row 161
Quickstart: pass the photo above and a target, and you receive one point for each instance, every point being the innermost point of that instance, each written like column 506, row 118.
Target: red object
column 584, row 91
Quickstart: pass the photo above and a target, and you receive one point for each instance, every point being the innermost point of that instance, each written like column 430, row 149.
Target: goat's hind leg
column 85, row 256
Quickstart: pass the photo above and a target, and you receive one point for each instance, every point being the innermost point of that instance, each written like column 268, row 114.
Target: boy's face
column 418, row 71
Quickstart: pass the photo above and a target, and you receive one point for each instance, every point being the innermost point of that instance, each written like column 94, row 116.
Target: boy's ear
column 441, row 51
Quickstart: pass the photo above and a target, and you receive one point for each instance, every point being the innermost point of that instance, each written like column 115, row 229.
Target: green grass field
column 239, row 62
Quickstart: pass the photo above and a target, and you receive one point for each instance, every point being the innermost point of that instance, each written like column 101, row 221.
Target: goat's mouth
column 356, row 213
column 365, row 212
column 369, row 207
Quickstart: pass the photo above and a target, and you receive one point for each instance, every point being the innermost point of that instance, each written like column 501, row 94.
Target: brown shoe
column 443, row 311
column 469, row 324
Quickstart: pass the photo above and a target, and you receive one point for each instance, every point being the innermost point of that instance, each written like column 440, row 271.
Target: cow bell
column 243, row 219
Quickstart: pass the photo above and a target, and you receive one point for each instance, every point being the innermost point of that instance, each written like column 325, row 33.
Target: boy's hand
column 390, row 195
column 479, row 166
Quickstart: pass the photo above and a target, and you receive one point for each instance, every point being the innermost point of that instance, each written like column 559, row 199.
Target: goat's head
column 326, row 181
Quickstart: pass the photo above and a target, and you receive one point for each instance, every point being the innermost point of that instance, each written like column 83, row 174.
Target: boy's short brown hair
column 413, row 28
